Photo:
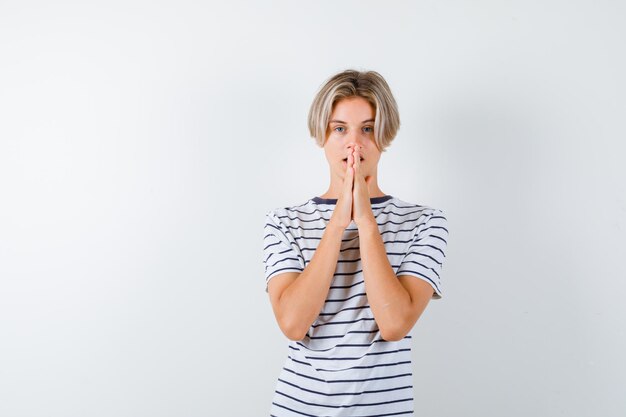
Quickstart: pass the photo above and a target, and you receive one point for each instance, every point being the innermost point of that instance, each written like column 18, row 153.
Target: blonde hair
column 367, row 84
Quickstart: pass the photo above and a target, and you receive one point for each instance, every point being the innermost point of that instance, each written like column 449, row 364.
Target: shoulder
column 421, row 212
column 295, row 208
column 289, row 214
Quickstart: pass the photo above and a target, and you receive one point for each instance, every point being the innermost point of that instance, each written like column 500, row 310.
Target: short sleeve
column 425, row 255
column 280, row 251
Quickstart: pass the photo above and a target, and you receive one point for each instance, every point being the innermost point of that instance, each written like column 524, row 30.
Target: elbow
column 294, row 336
column 393, row 334
column 402, row 325
column 292, row 331
column 392, row 337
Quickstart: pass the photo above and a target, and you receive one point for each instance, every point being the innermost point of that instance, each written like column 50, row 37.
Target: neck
column 336, row 186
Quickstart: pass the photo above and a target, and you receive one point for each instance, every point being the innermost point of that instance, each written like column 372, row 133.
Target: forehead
column 352, row 108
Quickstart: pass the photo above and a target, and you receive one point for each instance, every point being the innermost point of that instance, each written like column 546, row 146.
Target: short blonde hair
column 367, row 84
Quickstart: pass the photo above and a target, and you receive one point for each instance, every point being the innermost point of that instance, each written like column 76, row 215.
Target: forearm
column 388, row 299
column 303, row 300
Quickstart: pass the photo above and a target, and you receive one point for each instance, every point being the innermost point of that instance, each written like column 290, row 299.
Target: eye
column 369, row 127
column 338, row 127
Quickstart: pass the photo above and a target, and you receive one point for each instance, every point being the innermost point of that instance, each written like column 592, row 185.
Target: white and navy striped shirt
column 343, row 367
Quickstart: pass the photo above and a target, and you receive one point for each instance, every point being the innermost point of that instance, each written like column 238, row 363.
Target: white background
column 141, row 144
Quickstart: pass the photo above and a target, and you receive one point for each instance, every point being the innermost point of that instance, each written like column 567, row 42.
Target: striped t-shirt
column 343, row 367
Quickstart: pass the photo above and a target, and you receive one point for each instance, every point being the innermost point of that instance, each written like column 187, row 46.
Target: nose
column 355, row 140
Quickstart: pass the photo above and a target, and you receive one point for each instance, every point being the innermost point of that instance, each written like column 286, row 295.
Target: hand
column 361, row 206
column 342, row 215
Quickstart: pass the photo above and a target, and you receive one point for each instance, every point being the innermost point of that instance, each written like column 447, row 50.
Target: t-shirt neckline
column 373, row 200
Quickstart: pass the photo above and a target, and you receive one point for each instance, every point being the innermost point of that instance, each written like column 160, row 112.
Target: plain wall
column 141, row 144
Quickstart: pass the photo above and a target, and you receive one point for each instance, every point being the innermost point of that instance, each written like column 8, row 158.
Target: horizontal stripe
column 345, row 406
column 343, row 381
column 337, row 394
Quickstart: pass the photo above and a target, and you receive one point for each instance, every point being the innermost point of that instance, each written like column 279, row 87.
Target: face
column 351, row 123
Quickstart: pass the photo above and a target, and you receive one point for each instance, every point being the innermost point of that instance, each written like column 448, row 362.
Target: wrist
column 367, row 225
column 333, row 226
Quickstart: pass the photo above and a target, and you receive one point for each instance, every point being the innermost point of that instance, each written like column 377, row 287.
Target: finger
column 349, row 164
column 357, row 161
column 349, row 179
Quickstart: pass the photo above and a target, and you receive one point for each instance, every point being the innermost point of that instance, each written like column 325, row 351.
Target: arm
column 396, row 303
column 300, row 303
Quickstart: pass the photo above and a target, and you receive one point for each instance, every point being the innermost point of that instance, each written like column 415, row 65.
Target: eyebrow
column 341, row 121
